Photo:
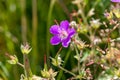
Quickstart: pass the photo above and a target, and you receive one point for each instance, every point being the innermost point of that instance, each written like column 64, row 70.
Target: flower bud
column 13, row 59
column 91, row 12
column 80, row 44
column 95, row 23
column 73, row 24
column 25, row 48
column 57, row 61
column 116, row 11
column 48, row 74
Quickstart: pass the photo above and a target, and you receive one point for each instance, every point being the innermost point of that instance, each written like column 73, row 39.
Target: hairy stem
column 27, row 70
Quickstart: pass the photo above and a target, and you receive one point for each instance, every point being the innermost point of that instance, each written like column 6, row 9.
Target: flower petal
column 54, row 29
column 71, row 32
column 64, row 25
column 66, row 42
column 55, row 40
column 115, row 0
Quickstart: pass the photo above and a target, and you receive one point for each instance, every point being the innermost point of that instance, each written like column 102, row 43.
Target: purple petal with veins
column 54, row 29
column 71, row 32
column 55, row 40
column 64, row 25
column 66, row 42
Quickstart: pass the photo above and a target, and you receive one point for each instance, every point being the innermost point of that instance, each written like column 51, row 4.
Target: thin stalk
column 27, row 70
column 45, row 64
column 67, row 71
column 65, row 61
column 52, row 2
column 21, row 65
column 78, row 60
column 34, row 32
column 58, row 52
column 23, row 20
column 64, row 7
column 82, row 14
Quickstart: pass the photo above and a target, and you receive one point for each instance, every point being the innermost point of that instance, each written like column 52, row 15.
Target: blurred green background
column 29, row 21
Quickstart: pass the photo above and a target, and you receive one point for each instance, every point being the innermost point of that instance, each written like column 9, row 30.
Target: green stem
column 52, row 2
column 23, row 20
column 66, row 71
column 58, row 52
column 34, row 33
column 78, row 59
column 27, row 70
column 65, row 61
column 82, row 14
column 21, row 65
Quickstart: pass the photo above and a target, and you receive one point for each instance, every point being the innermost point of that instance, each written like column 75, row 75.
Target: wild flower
column 62, row 33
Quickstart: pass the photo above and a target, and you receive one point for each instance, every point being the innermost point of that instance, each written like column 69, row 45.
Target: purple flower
column 115, row 0
column 62, row 33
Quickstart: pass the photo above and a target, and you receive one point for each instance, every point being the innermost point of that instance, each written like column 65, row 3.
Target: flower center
column 63, row 34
